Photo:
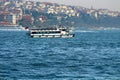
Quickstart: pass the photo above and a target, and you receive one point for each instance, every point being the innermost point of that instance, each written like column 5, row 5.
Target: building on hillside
column 18, row 12
column 11, row 18
column 3, row 15
column 27, row 20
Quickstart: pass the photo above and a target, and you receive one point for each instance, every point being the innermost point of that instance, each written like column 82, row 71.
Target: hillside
column 49, row 14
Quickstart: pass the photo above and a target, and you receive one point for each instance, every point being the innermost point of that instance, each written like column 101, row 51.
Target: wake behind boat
column 60, row 32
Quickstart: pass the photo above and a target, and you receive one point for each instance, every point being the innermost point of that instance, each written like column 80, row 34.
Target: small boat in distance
column 13, row 28
column 57, row 32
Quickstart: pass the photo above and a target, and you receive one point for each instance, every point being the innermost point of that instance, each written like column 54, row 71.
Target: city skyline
column 104, row 4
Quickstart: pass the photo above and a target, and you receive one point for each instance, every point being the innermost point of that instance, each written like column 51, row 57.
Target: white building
column 11, row 18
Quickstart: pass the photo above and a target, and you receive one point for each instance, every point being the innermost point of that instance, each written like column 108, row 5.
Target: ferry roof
column 45, row 29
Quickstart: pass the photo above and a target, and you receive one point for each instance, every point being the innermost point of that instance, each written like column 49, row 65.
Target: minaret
column 91, row 7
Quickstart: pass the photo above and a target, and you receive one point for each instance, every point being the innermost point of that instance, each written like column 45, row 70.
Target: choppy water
column 87, row 56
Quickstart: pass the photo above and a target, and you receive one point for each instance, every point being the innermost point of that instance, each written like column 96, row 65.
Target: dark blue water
column 87, row 56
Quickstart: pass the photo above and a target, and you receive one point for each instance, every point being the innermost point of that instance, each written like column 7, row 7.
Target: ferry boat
column 51, row 33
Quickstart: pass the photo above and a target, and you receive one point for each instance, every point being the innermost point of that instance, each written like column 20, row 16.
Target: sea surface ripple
column 87, row 56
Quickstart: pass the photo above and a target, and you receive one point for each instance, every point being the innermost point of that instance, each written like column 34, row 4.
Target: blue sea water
column 88, row 56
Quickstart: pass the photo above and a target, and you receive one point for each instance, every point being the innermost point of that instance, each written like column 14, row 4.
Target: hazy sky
column 109, row 4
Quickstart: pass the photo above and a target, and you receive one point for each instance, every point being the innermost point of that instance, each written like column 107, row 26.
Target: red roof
column 4, row 12
column 27, row 17
column 15, row 11
column 47, row 3
column 5, row 23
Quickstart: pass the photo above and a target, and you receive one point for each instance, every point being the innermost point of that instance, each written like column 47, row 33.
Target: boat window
column 63, row 29
column 51, row 32
column 33, row 32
